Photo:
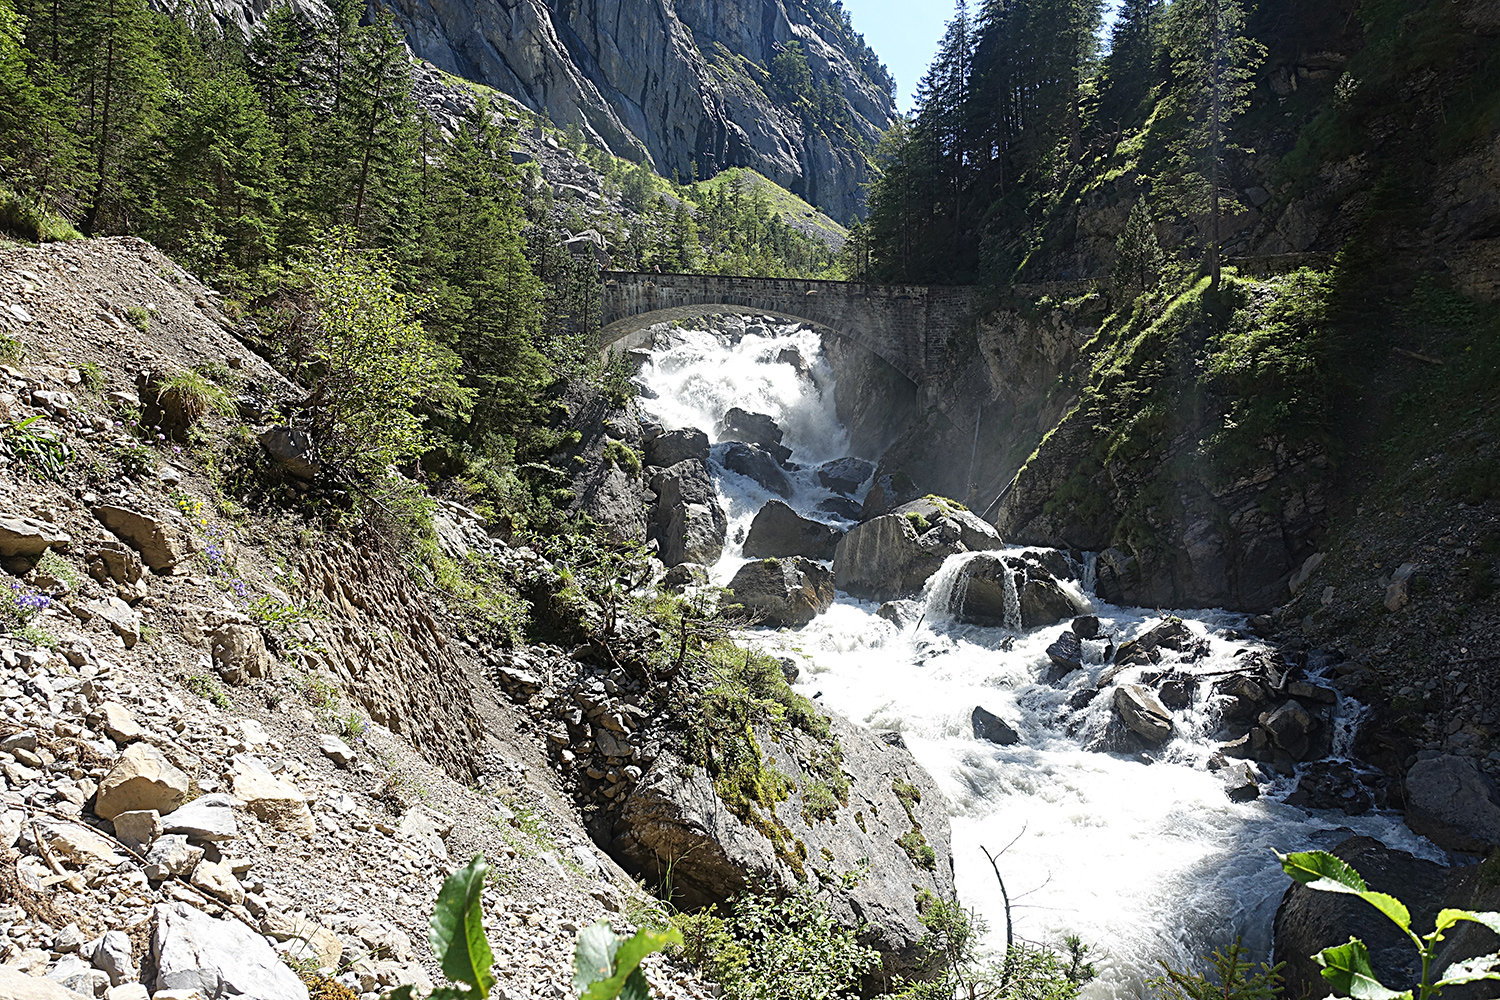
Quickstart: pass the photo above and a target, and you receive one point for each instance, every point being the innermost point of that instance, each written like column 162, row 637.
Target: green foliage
column 195, row 396
column 283, row 619
column 1347, row 967
column 1235, row 978
column 914, row 843
column 139, row 317
column 38, row 453
column 208, row 689
column 457, row 928
column 1138, row 256
column 619, row 455
column 918, row 522
column 778, row 947
column 608, row 966
column 28, row 219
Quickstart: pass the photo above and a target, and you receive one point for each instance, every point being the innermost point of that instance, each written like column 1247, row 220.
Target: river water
column 1145, row 860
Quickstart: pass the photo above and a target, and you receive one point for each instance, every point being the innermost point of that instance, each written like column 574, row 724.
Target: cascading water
column 1143, row 856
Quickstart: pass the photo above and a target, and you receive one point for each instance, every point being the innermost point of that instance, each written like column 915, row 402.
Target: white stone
column 219, row 958
column 210, row 817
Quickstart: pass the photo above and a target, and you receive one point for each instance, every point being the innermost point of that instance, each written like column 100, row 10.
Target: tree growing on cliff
column 1138, row 256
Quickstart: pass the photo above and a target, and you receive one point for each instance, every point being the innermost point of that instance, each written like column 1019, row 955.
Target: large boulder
column 1453, row 804
column 790, row 591
column 688, row 522
column 293, row 450
column 1142, row 713
column 754, row 462
column 1030, row 598
column 753, row 428
column 239, row 652
column 674, row 823
column 161, row 546
column 670, row 447
column 273, row 801
column 893, row 555
column 989, row 726
column 780, row 531
column 221, row 959
column 845, row 475
column 143, row 778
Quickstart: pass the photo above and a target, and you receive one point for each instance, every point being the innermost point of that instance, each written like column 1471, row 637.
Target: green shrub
column 208, row 689
column 620, row 455
column 918, row 522
column 914, row 843
column 29, row 220
column 1235, row 978
column 195, row 397
column 139, row 317
column 36, row 453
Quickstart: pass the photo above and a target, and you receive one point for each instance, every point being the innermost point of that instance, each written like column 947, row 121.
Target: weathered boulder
column 115, row 561
column 1172, row 634
column 161, row 546
column 1066, row 654
column 789, row 592
column 989, row 726
column 1142, row 713
column 24, row 539
column 1290, row 727
column 685, row 575
column 1014, row 591
column 674, row 817
column 17, row 985
column 122, row 620
column 217, row 881
column 274, row 801
column 893, row 555
column 209, row 817
column 688, row 523
column 845, row 475
column 1086, row 626
column 117, row 723
column 780, row 531
column 172, row 857
column 670, row 447
column 889, row 491
column 1331, row 785
column 138, row 830
column 291, row 449
column 902, row 614
column 222, row 959
column 754, row 462
column 753, row 428
column 143, row 778
column 1453, row 804
column 239, row 653
column 840, row 507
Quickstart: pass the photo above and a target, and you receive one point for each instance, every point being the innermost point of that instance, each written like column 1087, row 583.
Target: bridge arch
column 909, row 327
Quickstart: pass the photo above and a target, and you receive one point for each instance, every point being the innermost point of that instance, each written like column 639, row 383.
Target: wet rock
column 1331, row 785
column 685, row 575
column 208, row 818
column 779, row 531
column 1066, row 654
column 1454, row 804
column 222, row 959
column 292, row 450
column 902, row 614
column 1176, row 691
column 689, row 524
column 1245, row 696
column 1290, row 727
column 789, row 592
column 754, row 462
column 840, row 507
column 1086, row 626
column 1035, row 597
column 1142, row 713
column 1240, row 783
column 989, row 726
column 161, row 546
column 1308, row 691
column 142, row 779
column 888, row 558
column 754, row 429
column 670, row 447
column 889, row 491
column 845, row 475
column 1172, row 634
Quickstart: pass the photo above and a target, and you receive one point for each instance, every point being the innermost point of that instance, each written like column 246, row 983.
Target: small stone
column 112, row 957
column 143, row 778
column 274, row 801
column 118, row 724
column 80, row 845
column 139, row 829
column 210, row 817
column 24, row 740
column 68, row 940
column 128, row 991
column 336, row 750
column 172, row 856
column 219, row 882
column 989, row 726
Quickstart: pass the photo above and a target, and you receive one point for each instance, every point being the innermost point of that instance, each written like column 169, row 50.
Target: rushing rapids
column 1142, row 854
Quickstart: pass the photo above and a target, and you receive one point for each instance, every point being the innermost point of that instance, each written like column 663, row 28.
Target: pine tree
column 41, row 156
column 377, row 133
column 1138, row 255
column 1128, row 75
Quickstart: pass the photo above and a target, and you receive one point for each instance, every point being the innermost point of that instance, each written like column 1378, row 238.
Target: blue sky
column 905, row 33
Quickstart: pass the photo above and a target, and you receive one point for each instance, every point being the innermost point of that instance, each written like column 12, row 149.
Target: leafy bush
column 28, row 219
column 607, row 966
column 1347, row 966
column 621, row 456
column 37, row 453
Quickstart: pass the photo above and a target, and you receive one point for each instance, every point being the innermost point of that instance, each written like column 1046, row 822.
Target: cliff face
column 682, row 84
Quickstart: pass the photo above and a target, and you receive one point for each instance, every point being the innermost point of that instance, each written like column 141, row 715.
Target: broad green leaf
column 1328, row 873
column 622, row 976
column 457, row 933
column 1472, row 970
column 1450, row 918
column 1347, row 967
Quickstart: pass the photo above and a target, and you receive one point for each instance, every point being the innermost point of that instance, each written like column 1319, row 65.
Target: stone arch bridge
column 910, row 327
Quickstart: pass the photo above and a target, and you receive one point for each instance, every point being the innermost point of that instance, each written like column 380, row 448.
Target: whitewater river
column 1144, row 861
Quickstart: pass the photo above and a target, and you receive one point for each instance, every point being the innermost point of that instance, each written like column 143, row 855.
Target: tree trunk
column 1215, row 71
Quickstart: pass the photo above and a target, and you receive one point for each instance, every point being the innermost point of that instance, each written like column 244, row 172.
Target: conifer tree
column 1128, row 76
column 1138, row 255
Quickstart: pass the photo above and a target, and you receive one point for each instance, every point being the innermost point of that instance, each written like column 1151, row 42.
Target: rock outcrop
column 753, row 428
column 1454, row 804
column 893, row 555
column 780, row 531
column 789, row 592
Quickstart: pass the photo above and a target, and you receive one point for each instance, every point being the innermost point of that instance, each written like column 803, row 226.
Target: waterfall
column 1143, row 856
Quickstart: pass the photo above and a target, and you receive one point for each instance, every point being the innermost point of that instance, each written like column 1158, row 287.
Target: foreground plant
column 608, row 966
column 1235, row 978
column 1347, row 966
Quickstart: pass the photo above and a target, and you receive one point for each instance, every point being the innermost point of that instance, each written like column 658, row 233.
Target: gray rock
column 902, row 614
column 892, row 556
column 1290, row 727
column 139, row 829
column 220, row 958
column 206, row 818
column 688, row 522
column 841, row 507
column 1172, row 634
column 1142, row 713
column 789, row 592
column 172, row 857
column 122, row 620
column 27, row 538
column 1066, row 654
column 755, row 463
column 161, row 546
column 670, row 447
column 754, row 429
column 73, row 973
column 111, row 955
column 983, row 595
column 1086, row 626
column 674, row 813
column 336, row 750
column 845, row 475
column 780, row 531
column 17, row 985
column 989, row 726
column 11, row 822
column 685, row 575
column 1453, row 804
column 293, row 450
column 239, row 653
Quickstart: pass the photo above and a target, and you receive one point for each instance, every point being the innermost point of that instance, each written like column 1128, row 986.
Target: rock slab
column 222, row 959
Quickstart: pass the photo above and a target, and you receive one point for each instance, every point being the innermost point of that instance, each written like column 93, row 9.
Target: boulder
column 79, row 845
column 989, row 726
column 239, row 653
column 292, row 450
column 172, row 857
column 674, row 817
column 845, row 475
column 218, row 881
column 954, row 520
column 336, row 750
column 272, row 800
column 753, row 429
column 17, row 985
column 122, row 620
column 1172, row 634
column 210, row 818
column 685, row 575
column 670, row 447
column 25, row 539
column 789, row 592
column 1142, row 713
column 1290, row 728
column 1453, row 804
column 1030, row 598
column 754, row 462
column 1331, row 785
column 112, row 957
column 117, row 723
column 110, row 560
column 143, row 778
column 780, row 531
column 222, row 959
column 688, row 522
column 902, row 614
column 840, row 507
column 1086, row 626
column 893, row 555
column 161, row 546
column 1044, row 602
column 889, row 491
column 138, row 830
column 1066, row 654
